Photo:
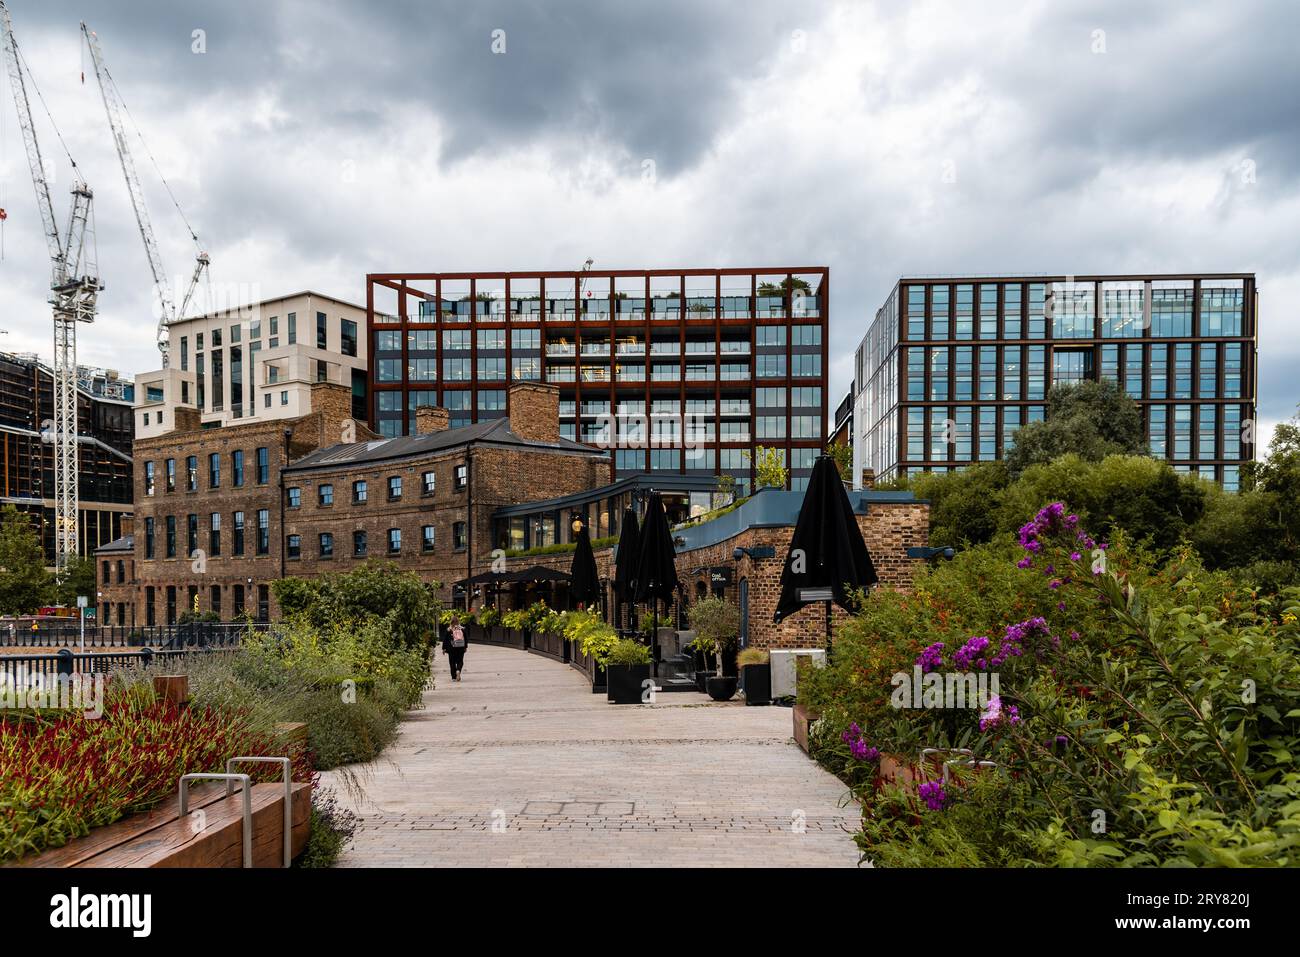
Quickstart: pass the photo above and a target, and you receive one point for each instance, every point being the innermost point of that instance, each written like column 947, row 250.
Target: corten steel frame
column 1249, row 339
column 410, row 288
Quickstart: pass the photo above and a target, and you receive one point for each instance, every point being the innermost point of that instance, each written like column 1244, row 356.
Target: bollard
column 64, row 663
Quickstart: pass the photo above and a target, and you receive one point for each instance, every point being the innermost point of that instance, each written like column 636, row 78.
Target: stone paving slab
column 520, row 764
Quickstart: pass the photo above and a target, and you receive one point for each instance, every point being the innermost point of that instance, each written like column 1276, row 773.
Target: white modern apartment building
column 256, row 362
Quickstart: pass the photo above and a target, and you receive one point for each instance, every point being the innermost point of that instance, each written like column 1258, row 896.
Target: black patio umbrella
column 655, row 577
column 626, row 558
column 827, row 555
column 585, row 586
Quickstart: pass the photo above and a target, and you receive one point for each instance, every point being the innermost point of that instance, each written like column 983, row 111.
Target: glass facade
column 731, row 358
column 950, row 369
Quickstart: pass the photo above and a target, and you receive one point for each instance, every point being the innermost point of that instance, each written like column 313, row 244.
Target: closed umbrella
column 585, row 586
column 655, row 578
column 626, row 558
column 827, row 557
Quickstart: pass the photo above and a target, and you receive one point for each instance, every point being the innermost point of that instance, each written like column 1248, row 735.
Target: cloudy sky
column 312, row 142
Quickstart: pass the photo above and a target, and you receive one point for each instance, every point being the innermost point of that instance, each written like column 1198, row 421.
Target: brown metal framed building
column 741, row 351
column 953, row 365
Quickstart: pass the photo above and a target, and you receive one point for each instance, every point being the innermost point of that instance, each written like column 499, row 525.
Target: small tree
column 717, row 626
column 769, row 467
column 78, row 579
column 841, row 454
column 24, row 582
column 726, row 490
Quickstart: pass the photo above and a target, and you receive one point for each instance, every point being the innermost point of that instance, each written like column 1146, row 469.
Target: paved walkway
column 520, row 765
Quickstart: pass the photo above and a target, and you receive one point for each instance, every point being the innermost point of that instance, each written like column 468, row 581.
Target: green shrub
column 1147, row 717
column 625, row 651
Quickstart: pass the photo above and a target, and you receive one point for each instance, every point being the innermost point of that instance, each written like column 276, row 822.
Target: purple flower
column 970, row 652
column 933, row 794
column 931, row 659
column 1075, row 557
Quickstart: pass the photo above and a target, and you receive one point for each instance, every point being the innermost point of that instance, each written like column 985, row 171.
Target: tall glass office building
column 951, row 367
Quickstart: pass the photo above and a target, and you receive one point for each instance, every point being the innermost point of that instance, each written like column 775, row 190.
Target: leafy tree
column 24, row 582
column 769, row 467
column 1091, row 420
column 841, row 454
column 963, row 505
column 78, row 579
column 787, row 284
column 1278, row 478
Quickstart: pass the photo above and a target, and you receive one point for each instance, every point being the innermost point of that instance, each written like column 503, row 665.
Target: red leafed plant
column 62, row 773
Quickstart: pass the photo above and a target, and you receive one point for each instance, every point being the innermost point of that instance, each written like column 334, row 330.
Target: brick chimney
column 430, row 419
column 535, row 411
column 333, row 402
column 186, row 419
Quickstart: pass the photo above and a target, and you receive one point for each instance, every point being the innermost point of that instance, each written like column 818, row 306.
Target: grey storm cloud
column 1068, row 158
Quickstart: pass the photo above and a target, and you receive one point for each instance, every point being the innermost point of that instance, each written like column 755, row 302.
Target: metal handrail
column 287, row 774
column 243, row 779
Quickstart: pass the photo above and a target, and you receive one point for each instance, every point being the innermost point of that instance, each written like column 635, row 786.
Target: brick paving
column 520, row 765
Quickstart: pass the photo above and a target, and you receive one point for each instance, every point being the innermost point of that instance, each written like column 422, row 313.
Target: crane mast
column 74, row 290
column 168, row 312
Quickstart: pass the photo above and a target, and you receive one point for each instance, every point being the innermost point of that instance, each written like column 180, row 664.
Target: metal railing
column 23, row 671
column 50, row 634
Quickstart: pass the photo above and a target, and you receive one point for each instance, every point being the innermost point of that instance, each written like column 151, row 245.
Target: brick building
column 223, row 512
column 115, row 575
column 427, row 501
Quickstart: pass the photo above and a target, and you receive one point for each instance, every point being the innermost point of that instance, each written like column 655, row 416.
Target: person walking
column 453, row 646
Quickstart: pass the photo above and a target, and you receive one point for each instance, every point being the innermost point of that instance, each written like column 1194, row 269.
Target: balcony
column 561, row 350
column 632, row 373
column 631, row 349
column 595, row 349
column 595, row 374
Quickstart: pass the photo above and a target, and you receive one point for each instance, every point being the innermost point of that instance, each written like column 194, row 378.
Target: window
column 263, row 531
column 263, row 603
column 459, row 536
column 263, row 466
column 293, row 547
column 149, row 617
column 192, row 473
column 429, row 482
column 121, row 572
column 293, row 327
column 462, row 477
column 348, row 337
column 214, row 470
column 148, row 538
column 171, row 475
column 394, row 488
column 214, row 533
column 284, row 398
column 171, row 536
column 322, row 331
column 237, row 468
column 426, row 540
column 770, row 366
column 148, row 477
column 238, row 600
column 394, row 541
column 325, row 494
column 191, row 534
column 295, row 497
column 237, row 533
column 770, row 335
column 326, row 545
column 360, row 490
column 807, row 365
column 214, row 600
column 359, row 544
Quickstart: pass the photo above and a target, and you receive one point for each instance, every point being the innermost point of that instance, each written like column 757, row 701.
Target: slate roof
column 124, row 544
column 492, row 431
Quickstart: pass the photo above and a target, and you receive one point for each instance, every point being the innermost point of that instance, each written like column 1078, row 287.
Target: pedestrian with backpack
column 453, row 645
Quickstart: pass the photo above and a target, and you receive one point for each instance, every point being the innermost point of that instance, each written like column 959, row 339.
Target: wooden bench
column 162, row 838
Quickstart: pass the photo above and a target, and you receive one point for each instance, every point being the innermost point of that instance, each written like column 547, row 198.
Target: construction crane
column 113, row 106
column 74, row 291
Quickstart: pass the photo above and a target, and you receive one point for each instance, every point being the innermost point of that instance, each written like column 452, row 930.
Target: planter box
column 803, row 719
column 757, row 681
column 598, row 679
column 626, row 683
column 702, row 680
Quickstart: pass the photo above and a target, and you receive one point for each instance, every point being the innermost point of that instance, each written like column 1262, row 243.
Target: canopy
column 827, row 550
column 655, row 578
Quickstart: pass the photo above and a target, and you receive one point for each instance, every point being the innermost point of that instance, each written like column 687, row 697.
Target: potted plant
column 627, row 669
column 717, row 630
column 594, row 639
column 756, row 675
